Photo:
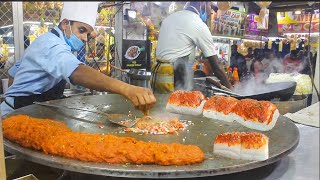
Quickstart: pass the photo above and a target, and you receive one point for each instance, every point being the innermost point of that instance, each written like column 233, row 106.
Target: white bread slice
column 185, row 109
column 219, row 107
column 228, row 145
column 217, row 115
column 247, row 146
column 260, row 154
column 256, row 124
column 223, row 149
column 253, row 114
column 254, row 146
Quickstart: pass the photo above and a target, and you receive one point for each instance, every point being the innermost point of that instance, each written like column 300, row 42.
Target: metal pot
column 294, row 104
column 139, row 78
column 136, row 77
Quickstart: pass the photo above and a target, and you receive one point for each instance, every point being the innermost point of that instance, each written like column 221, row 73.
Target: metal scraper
column 120, row 119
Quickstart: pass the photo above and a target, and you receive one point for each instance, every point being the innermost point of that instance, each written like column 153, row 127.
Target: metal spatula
column 120, row 119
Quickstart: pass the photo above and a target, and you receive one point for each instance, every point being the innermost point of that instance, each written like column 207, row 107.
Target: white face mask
column 73, row 41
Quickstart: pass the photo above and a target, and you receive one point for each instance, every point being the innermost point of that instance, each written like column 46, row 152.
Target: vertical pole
column 315, row 97
column 17, row 12
column 2, row 164
column 148, row 51
column 118, row 38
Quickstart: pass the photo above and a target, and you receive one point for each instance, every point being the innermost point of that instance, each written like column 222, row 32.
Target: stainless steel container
column 139, row 78
column 295, row 104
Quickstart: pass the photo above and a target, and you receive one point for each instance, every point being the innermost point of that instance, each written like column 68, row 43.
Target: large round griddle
column 284, row 138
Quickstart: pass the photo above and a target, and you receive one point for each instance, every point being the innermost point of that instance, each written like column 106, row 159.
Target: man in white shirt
column 179, row 34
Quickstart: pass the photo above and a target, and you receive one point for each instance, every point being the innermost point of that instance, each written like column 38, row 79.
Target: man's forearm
column 219, row 73
column 93, row 79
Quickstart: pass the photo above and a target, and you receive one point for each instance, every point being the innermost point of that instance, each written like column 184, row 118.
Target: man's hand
column 219, row 73
column 142, row 98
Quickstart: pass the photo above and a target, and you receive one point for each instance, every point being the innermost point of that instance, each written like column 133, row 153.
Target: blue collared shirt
column 45, row 63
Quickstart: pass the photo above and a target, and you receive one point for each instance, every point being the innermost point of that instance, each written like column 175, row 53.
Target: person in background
column 266, row 60
column 238, row 60
column 249, row 58
column 180, row 33
column 303, row 55
column 300, row 54
column 292, row 63
column 279, row 57
column 274, row 65
column 257, row 67
column 48, row 64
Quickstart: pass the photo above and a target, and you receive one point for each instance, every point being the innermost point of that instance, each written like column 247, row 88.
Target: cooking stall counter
column 197, row 135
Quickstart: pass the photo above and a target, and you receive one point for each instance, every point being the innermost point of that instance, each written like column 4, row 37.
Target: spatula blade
column 122, row 120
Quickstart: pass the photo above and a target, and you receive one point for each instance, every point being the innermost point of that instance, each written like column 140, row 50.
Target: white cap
column 85, row 12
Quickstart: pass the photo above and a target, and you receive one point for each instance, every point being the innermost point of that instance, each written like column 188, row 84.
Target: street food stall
column 252, row 131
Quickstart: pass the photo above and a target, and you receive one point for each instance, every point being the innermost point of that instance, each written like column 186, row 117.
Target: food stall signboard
column 134, row 54
column 288, row 22
column 251, row 30
column 230, row 23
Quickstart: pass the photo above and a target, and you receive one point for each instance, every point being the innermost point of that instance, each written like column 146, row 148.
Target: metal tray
column 284, row 138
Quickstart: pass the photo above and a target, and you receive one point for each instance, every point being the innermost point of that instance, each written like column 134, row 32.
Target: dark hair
column 294, row 52
column 234, row 46
column 250, row 48
column 258, row 54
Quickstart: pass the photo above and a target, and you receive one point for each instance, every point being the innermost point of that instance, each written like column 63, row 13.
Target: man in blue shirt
column 48, row 64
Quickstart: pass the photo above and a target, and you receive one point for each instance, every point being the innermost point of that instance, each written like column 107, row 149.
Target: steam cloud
column 188, row 75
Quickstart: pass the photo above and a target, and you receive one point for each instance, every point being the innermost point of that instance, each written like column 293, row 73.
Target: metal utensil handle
column 211, row 81
column 227, row 92
column 220, row 90
column 218, row 84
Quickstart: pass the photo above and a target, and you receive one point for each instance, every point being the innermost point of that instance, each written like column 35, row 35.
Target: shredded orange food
column 157, row 125
column 55, row 138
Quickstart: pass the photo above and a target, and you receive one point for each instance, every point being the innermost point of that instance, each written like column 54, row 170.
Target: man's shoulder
column 48, row 41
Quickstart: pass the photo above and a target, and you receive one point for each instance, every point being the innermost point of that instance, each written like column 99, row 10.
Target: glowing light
column 297, row 12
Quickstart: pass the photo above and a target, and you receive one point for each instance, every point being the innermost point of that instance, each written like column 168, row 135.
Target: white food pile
column 304, row 84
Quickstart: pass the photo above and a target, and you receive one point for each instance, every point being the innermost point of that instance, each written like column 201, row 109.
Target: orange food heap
column 221, row 104
column 53, row 137
column 186, row 98
column 254, row 110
